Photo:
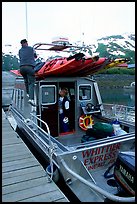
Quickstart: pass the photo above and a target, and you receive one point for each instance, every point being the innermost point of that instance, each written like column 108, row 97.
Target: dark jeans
column 29, row 78
column 64, row 127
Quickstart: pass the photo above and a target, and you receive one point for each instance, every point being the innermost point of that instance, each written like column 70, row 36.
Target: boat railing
column 96, row 188
column 120, row 112
column 52, row 145
column 37, row 117
column 62, row 47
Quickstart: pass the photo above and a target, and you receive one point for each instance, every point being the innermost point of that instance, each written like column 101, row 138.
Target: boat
column 131, row 86
column 123, row 65
column 90, row 156
column 77, row 63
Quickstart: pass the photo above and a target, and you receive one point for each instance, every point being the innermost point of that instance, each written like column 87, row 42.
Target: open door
column 71, row 97
column 49, row 107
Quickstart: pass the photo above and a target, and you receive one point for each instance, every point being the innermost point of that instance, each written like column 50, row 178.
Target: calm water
column 118, row 96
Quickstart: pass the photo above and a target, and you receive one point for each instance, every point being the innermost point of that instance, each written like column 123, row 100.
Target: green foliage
column 102, row 49
column 112, row 36
column 112, row 44
column 119, row 70
column 9, row 62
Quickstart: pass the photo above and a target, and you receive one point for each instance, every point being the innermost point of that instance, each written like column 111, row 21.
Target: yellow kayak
column 116, row 62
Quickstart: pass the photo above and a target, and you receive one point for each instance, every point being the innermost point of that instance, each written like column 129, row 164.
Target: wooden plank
column 23, row 185
column 51, row 196
column 10, row 141
column 19, row 166
column 7, row 157
column 19, row 162
column 13, row 156
column 23, row 178
column 17, row 148
column 21, row 172
column 30, row 192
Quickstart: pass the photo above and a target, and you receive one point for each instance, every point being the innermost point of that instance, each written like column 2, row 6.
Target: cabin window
column 84, row 92
column 48, row 94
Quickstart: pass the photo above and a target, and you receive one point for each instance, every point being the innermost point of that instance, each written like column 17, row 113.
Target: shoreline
column 114, row 80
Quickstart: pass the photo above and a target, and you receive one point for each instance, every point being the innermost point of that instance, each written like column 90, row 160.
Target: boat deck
column 23, row 178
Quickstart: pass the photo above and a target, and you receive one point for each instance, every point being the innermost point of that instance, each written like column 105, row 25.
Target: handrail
column 100, row 143
column 37, row 46
column 112, row 104
column 95, row 187
column 121, row 112
column 50, row 144
column 42, row 122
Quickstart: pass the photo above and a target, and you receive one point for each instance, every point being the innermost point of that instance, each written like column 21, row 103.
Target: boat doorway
column 71, row 93
column 49, row 106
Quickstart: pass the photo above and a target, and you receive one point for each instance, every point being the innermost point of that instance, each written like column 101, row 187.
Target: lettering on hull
column 100, row 156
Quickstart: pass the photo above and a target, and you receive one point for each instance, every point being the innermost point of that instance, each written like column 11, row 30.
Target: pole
column 83, row 39
column 26, row 20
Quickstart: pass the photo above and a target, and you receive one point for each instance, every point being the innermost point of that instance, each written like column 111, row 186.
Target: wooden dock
column 23, row 178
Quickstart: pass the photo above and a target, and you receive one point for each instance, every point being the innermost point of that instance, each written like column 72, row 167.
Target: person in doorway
column 27, row 57
column 64, row 110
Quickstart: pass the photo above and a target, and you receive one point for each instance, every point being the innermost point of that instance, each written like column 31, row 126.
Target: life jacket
column 62, row 105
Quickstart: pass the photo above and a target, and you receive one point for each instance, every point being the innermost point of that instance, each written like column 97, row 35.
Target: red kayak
column 92, row 68
column 62, row 66
column 65, row 67
column 76, row 65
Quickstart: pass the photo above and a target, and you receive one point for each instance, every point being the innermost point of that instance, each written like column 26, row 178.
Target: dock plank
column 33, row 193
column 21, row 172
column 23, row 178
column 24, row 185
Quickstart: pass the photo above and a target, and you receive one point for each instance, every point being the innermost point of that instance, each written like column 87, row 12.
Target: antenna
column 26, row 20
column 83, row 39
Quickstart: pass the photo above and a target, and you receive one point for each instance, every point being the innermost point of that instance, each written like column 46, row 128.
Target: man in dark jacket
column 64, row 110
column 27, row 57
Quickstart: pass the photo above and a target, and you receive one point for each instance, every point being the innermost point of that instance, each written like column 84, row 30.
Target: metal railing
column 96, row 188
column 52, row 146
column 120, row 112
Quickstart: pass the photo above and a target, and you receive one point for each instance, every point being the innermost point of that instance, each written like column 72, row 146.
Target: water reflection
column 118, row 96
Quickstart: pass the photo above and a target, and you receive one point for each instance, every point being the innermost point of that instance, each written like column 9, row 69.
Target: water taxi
column 96, row 157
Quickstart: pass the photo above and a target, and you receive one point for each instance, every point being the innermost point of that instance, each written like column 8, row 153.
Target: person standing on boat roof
column 27, row 57
column 64, row 110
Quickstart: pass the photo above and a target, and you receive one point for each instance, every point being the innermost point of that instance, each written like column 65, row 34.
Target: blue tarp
column 131, row 65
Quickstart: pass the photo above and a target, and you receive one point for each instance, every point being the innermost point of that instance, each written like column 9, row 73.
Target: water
column 118, row 96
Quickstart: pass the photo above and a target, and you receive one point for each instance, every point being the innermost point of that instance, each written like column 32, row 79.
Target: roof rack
column 58, row 47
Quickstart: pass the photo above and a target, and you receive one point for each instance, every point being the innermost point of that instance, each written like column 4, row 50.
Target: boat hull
column 85, row 163
column 82, row 164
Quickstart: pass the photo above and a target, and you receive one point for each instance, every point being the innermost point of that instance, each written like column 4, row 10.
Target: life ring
column 85, row 121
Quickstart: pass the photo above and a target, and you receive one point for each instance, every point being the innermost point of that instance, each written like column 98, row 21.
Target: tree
column 9, row 62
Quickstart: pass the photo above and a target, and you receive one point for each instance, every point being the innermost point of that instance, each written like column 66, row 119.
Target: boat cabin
column 83, row 94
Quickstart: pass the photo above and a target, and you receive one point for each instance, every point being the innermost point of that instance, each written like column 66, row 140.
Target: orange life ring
column 85, row 121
